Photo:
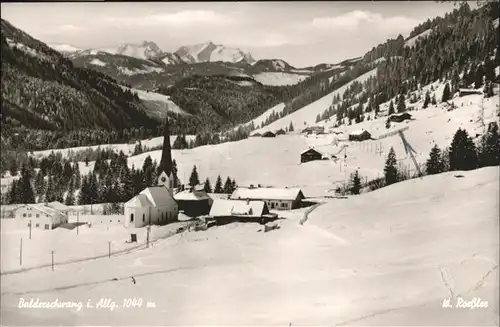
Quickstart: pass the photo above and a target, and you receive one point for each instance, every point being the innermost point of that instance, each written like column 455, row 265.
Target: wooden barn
column 310, row 155
column 359, row 135
column 399, row 118
column 193, row 202
column 268, row 134
column 226, row 211
column 464, row 92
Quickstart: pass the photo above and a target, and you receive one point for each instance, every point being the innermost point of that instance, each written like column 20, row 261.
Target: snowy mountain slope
column 143, row 50
column 259, row 120
column 307, row 115
column 411, row 42
column 210, row 52
column 279, row 158
column 65, row 48
column 158, row 103
column 279, row 79
column 417, row 254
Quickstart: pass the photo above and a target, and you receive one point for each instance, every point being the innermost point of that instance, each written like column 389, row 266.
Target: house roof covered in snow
column 313, row 149
column 267, row 193
column 219, row 196
column 57, row 205
column 224, row 208
column 138, row 201
column 358, row 132
column 188, row 195
column 42, row 208
column 159, row 195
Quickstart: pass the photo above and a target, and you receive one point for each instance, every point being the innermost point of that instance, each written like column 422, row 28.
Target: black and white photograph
column 250, row 163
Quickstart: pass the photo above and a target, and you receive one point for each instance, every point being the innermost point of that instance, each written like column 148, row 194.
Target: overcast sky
column 302, row 33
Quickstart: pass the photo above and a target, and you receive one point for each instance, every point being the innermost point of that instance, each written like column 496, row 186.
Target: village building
column 193, row 202
column 268, row 134
column 464, row 92
column 310, row 155
column 155, row 204
column 399, row 118
column 314, row 130
column 359, row 135
column 275, row 198
column 224, row 211
column 40, row 216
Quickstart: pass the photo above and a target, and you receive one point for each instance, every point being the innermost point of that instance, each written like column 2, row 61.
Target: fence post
column 77, row 222
column 21, row 253
column 30, row 229
column 52, row 260
column 109, row 249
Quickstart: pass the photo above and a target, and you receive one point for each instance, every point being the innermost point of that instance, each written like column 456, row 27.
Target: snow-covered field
column 136, row 71
column 66, row 243
column 279, row 78
column 382, row 258
column 98, row 62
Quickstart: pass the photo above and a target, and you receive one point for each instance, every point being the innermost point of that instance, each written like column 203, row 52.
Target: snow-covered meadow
column 389, row 257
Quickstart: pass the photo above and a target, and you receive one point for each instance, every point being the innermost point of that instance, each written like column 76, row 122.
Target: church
column 155, row 205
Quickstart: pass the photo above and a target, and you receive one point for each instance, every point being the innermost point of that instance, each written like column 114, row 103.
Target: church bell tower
column 166, row 176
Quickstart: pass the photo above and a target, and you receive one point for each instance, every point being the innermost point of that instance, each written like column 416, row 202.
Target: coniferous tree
column 401, row 103
column 50, row 193
column 13, row 196
column 446, row 93
column 433, row 100
column 207, row 187
column 40, row 183
column 147, row 171
column 13, row 168
column 435, row 163
column 390, row 170
column 228, row 186
column 234, row 185
column 290, row 128
column 218, row 185
column 174, row 173
column 427, row 100
column 25, row 189
column 193, row 179
column 463, row 154
column 70, row 197
column 391, row 108
column 77, row 176
column 355, row 183
column 489, row 151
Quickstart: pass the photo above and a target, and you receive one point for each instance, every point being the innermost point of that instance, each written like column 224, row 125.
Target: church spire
column 166, row 155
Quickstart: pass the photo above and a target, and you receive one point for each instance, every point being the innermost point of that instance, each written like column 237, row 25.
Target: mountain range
column 148, row 50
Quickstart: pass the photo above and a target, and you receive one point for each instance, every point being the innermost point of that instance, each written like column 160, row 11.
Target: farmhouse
column 359, row 135
column 399, row 118
column 193, row 202
column 240, row 210
column 40, row 216
column 156, row 204
column 268, row 134
column 275, row 198
column 314, row 130
column 310, row 155
column 464, row 92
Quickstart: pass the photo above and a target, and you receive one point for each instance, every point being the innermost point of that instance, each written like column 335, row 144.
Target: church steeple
column 166, row 154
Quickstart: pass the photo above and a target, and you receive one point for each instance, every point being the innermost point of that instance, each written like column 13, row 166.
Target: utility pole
column 52, row 260
column 109, row 249
column 77, row 221
column 21, row 253
column 147, row 237
column 30, row 229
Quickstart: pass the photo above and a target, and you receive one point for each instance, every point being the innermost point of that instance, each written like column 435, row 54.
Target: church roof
column 159, row 195
column 138, row 201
